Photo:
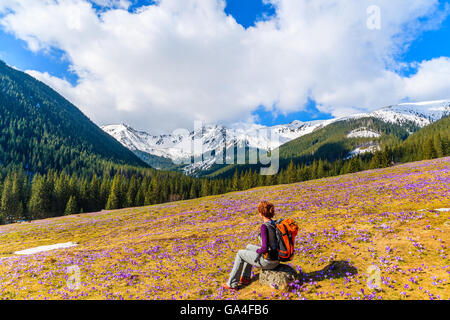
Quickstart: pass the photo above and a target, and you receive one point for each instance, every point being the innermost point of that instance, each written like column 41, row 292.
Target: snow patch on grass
column 46, row 248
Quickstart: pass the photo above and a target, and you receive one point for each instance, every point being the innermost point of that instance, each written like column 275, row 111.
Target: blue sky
column 429, row 45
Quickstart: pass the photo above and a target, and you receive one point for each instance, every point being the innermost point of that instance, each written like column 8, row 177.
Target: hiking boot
column 244, row 281
column 227, row 287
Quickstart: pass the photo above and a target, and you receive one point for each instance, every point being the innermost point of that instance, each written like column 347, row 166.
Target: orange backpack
column 285, row 231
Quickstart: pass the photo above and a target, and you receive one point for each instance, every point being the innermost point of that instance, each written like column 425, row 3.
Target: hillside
column 40, row 130
column 432, row 141
column 338, row 140
column 387, row 217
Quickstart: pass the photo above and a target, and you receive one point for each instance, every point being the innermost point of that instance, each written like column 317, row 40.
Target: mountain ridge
column 178, row 147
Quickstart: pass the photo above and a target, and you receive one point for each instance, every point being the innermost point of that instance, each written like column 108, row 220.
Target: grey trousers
column 243, row 263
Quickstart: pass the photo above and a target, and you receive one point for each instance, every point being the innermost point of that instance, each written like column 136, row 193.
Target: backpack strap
column 272, row 241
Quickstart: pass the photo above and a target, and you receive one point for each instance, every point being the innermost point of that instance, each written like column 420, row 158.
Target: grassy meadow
column 185, row 250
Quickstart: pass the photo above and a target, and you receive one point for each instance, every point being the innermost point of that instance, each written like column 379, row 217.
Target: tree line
column 26, row 196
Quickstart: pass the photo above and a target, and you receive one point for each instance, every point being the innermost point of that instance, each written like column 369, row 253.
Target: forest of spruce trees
column 24, row 196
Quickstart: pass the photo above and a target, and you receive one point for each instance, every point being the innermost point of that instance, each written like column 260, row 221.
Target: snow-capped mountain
column 421, row 113
column 182, row 145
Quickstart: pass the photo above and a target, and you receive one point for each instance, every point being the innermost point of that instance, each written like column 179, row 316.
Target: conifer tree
column 40, row 205
column 376, row 161
column 354, row 165
column 71, row 207
column 193, row 191
column 114, row 199
column 235, row 182
column 205, row 190
column 291, row 173
column 105, row 189
column 429, row 150
column 8, row 206
column 94, row 195
column 62, row 192
column 320, row 169
column 140, row 197
column 438, row 146
column 131, row 192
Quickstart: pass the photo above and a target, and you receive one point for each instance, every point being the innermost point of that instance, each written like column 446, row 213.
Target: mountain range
column 356, row 133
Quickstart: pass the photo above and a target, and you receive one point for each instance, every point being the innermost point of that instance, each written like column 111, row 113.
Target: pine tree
column 313, row 170
column 354, row 165
column 17, row 191
column 155, row 194
column 105, row 189
column 236, row 181
column 438, row 146
column 8, row 204
column 193, row 191
column 246, row 183
column 40, row 204
column 205, row 190
column 281, row 177
column 71, row 207
column 131, row 192
column 429, row 150
column 320, row 169
column 114, row 199
column 83, row 200
column 140, row 197
column 94, row 196
column 291, row 173
column 376, row 161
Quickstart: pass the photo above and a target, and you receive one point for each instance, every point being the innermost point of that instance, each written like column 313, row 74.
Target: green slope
column 331, row 142
column 432, row 141
column 157, row 162
column 40, row 130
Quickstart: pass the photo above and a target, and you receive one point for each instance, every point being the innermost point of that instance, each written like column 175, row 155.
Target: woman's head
column 266, row 209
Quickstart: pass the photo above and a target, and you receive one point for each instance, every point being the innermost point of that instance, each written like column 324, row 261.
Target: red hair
column 267, row 209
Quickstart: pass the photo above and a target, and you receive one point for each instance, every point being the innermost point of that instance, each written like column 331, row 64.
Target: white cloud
column 169, row 64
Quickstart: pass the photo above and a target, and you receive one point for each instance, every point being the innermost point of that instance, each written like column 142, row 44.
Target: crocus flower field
column 385, row 219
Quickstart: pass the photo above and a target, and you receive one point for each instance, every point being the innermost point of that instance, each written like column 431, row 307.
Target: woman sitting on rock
column 264, row 257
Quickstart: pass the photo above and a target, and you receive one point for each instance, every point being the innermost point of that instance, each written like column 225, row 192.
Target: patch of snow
column 443, row 209
column 362, row 150
column 46, row 248
column 363, row 133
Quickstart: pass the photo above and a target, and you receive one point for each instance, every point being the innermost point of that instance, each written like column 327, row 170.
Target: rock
column 278, row 278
